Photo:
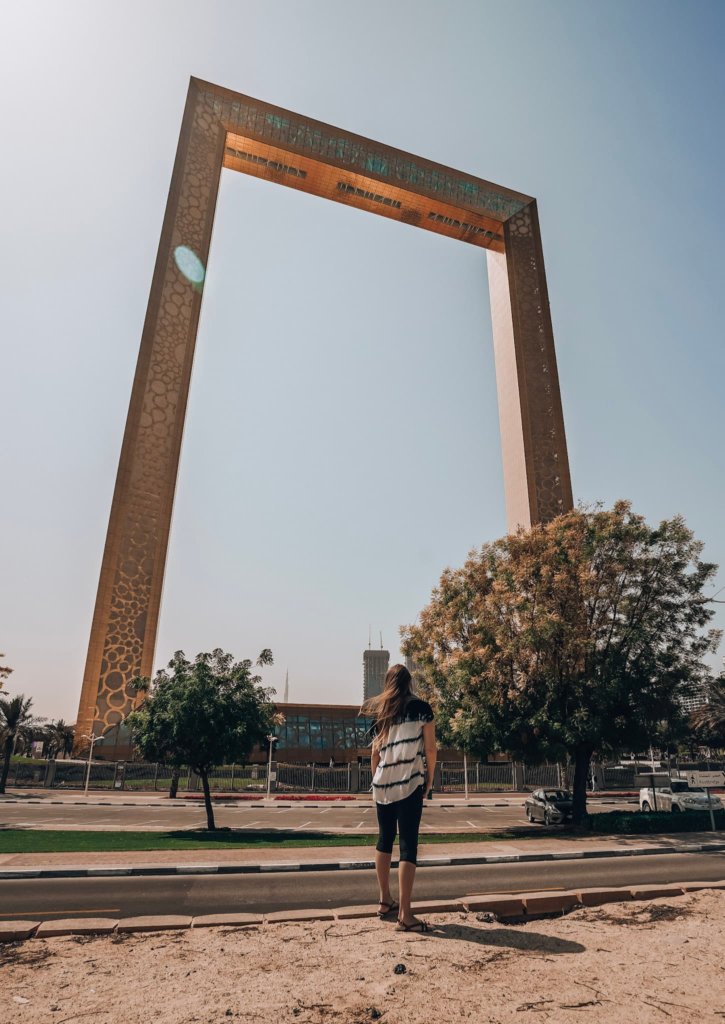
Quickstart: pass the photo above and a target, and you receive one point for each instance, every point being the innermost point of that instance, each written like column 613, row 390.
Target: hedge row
column 639, row 823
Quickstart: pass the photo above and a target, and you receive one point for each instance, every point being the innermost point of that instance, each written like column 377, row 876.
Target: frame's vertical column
column 123, row 633
column 535, row 459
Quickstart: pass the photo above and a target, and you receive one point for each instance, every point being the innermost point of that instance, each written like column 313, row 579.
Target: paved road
column 71, row 897
column 344, row 818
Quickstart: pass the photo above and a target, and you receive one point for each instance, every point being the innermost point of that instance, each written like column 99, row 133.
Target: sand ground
column 635, row 963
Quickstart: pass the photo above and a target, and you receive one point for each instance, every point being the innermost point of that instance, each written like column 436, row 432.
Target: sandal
column 392, row 906
column 416, row 926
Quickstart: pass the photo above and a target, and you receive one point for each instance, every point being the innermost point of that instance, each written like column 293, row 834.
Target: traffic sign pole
column 709, row 807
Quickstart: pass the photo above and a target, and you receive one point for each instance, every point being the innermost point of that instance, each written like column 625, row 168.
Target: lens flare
column 189, row 264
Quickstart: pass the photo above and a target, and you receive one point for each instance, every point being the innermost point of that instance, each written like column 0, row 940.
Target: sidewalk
column 60, row 865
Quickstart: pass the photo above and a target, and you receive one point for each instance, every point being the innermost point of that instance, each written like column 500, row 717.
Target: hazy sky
column 342, row 442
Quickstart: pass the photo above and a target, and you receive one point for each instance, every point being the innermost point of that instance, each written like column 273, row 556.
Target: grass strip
column 46, row 841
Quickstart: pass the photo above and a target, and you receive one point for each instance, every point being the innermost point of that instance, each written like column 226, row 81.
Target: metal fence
column 312, row 778
column 482, row 777
column 698, row 766
column 26, row 775
column 550, row 776
column 619, row 777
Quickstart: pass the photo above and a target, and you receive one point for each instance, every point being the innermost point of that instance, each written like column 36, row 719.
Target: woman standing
column 403, row 761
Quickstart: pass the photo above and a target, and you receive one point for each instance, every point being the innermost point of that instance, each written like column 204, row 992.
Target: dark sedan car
column 552, row 806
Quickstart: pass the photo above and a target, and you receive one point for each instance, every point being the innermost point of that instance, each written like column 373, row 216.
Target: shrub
column 639, row 823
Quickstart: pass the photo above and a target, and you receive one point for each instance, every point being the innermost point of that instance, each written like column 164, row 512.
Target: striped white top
column 401, row 769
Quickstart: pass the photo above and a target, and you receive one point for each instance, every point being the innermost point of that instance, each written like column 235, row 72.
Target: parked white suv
column 678, row 796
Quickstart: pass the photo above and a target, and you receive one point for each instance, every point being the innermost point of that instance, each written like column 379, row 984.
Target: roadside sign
column 707, row 780
column 273, row 776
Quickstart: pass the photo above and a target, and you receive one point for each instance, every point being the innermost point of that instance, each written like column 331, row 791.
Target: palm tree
column 5, row 671
column 59, row 736
column 709, row 719
column 16, row 723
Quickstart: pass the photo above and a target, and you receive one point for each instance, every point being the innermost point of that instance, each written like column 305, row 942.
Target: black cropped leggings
column 403, row 815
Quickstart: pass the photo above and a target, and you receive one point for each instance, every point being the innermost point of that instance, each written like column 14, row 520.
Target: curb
column 501, row 906
column 279, row 805
column 348, row 865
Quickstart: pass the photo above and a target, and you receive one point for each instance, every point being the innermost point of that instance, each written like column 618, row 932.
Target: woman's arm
column 374, row 758
column 431, row 753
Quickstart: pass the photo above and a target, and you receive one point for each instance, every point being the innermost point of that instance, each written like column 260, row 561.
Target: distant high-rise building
column 375, row 666
column 411, row 666
column 696, row 698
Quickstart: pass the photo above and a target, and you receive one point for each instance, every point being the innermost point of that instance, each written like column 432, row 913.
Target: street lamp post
column 271, row 739
column 94, row 739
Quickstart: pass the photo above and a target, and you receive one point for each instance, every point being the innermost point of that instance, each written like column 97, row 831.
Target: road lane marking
column 298, row 827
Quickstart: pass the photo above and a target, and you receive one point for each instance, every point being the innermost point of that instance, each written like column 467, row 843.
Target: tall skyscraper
column 411, row 667
column 375, row 665
column 694, row 699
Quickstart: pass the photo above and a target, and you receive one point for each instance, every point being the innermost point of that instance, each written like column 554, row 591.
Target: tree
column 59, row 737
column 576, row 636
column 16, row 724
column 4, row 673
column 141, row 685
column 203, row 713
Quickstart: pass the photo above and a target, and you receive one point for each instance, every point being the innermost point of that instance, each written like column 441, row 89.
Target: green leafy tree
column 17, row 724
column 203, row 713
column 577, row 636
column 140, row 686
column 59, row 737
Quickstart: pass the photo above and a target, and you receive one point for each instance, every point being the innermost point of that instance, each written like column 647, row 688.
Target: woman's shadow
column 511, row 938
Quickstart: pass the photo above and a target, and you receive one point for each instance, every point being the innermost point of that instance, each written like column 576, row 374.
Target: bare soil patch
column 629, row 962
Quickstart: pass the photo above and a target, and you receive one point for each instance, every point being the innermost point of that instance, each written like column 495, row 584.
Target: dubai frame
column 220, row 129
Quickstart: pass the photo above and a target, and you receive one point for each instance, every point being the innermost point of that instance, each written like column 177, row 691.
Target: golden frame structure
column 220, row 129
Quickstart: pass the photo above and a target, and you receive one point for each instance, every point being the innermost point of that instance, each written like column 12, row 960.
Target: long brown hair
column 388, row 705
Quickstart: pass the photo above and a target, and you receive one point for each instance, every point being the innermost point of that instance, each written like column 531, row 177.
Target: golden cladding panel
column 222, row 128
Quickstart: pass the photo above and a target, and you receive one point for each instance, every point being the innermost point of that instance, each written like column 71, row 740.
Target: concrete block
column 436, row 906
column 655, row 892
column 77, row 926
column 299, row 915
column 549, row 902
column 501, row 906
column 597, row 896
column 153, row 923
column 11, row 931
column 697, row 886
column 230, row 920
column 366, row 910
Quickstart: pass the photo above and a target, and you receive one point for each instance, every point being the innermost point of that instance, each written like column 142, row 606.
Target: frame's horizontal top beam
column 343, row 186
column 294, row 134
